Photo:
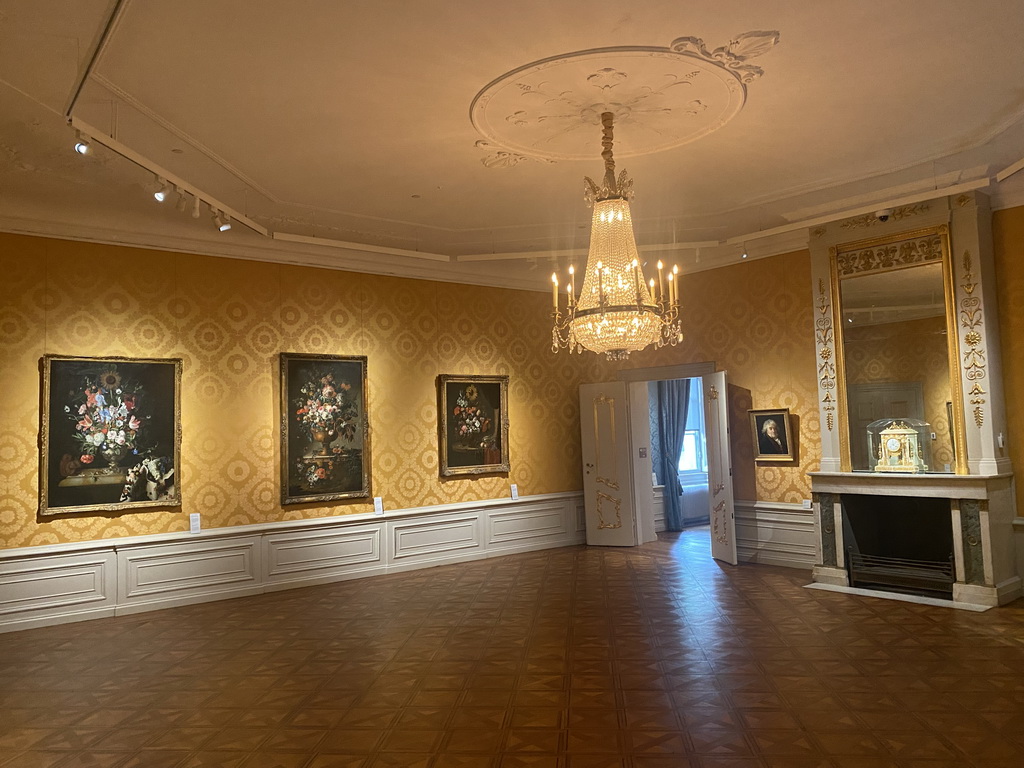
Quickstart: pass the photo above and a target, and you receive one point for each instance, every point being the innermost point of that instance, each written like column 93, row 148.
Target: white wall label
column 515, row 492
column 378, row 505
column 193, row 522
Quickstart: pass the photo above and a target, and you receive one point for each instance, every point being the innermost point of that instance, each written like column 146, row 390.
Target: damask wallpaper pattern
column 1008, row 245
column 229, row 319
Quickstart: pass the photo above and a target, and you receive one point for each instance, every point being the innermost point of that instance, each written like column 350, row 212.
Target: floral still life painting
column 111, row 434
column 472, row 425
column 324, row 430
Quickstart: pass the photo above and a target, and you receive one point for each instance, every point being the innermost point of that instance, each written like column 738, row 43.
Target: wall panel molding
column 775, row 533
column 60, row 583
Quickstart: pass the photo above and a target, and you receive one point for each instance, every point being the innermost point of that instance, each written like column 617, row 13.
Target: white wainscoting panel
column 320, row 556
column 164, row 575
column 525, row 528
column 72, row 582
column 448, row 539
column 40, row 591
column 775, row 533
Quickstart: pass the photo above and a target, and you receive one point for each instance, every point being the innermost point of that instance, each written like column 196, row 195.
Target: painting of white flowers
column 325, row 433
column 472, row 425
column 110, row 433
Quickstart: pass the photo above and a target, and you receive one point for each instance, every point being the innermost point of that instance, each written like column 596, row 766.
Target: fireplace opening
column 899, row 544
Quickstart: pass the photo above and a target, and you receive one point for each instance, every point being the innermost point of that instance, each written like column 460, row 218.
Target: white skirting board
column 40, row 586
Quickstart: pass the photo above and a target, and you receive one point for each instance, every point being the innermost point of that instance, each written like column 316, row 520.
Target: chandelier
column 616, row 311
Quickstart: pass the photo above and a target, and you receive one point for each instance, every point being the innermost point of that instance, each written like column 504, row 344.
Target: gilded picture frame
column 472, row 425
column 110, row 434
column 325, row 429
column 772, row 433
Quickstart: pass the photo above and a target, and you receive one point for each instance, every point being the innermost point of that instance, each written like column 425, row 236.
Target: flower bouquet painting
column 324, row 430
column 472, row 425
column 111, row 434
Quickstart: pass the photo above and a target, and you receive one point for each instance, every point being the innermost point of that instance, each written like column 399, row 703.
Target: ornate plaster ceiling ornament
column 670, row 96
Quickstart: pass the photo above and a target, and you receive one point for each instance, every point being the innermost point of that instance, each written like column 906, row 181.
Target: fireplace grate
column 920, row 576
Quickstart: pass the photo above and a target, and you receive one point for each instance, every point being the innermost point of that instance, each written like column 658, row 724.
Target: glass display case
column 899, row 445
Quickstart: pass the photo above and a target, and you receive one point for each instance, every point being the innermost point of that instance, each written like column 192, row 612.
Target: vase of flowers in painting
column 325, row 411
column 105, row 410
column 472, row 421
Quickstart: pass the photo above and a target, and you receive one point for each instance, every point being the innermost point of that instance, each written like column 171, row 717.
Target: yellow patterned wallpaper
column 908, row 351
column 228, row 320
column 1008, row 245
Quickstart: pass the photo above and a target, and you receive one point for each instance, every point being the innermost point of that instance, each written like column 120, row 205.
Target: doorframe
column 636, row 380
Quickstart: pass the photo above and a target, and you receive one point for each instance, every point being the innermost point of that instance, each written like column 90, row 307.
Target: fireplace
column 895, row 533
column 899, row 543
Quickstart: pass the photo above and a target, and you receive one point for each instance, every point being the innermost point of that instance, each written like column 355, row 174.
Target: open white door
column 607, row 483
column 720, row 494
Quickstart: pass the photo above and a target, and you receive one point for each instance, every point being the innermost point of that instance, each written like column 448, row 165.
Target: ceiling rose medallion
column 669, row 96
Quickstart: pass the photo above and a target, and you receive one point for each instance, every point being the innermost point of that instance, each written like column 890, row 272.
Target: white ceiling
column 342, row 131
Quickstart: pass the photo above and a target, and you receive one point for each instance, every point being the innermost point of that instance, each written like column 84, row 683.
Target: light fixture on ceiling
column 616, row 311
column 222, row 223
column 182, row 203
column 164, row 190
column 196, row 202
column 82, row 144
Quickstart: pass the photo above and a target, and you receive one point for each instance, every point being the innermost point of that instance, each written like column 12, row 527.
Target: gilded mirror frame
column 904, row 250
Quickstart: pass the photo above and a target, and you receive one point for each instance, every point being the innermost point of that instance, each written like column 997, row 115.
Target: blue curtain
column 675, row 397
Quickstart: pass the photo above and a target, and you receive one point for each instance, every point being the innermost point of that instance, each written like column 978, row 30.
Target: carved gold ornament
column 871, row 219
column 971, row 313
column 603, row 524
column 918, row 250
column 719, row 529
column 825, row 337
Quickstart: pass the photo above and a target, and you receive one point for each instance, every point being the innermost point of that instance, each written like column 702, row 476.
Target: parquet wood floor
column 655, row 657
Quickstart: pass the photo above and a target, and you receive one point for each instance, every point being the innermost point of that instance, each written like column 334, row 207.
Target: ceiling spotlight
column 195, row 207
column 182, row 200
column 222, row 224
column 81, row 143
column 165, row 189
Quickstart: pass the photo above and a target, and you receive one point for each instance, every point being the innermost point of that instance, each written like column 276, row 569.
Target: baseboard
column 56, row 584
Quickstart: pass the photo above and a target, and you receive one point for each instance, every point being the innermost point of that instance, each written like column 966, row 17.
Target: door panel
column 720, row 490
column 607, row 486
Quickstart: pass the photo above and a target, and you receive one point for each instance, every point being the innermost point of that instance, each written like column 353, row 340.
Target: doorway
column 684, row 475
column 618, row 476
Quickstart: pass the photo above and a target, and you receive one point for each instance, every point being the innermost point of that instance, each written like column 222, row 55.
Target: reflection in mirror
column 896, row 352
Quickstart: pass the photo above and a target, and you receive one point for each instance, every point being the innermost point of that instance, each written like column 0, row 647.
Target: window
column 693, row 458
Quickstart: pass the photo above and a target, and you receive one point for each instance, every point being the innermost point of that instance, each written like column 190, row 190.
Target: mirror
column 895, row 365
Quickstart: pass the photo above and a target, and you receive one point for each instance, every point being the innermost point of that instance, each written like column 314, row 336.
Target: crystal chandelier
column 616, row 312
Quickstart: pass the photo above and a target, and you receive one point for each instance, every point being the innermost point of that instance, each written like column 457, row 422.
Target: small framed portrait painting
column 772, row 435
